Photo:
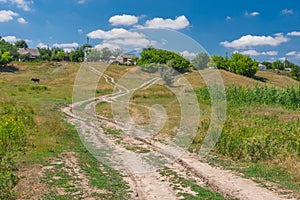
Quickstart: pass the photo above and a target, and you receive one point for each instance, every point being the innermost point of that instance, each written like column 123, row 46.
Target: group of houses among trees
column 151, row 59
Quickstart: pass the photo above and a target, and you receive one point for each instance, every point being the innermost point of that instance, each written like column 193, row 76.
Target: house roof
column 128, row 56
column 261, row 65
column 32, row 52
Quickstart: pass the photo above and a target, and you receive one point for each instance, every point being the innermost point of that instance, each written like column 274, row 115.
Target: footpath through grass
column 33, row 131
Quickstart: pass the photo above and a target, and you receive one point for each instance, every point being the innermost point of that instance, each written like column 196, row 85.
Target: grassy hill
column 268, row 78
column 51, row 136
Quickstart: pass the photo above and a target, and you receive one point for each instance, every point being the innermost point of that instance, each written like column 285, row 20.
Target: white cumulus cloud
column 81, row 1
column 80, row 31
column 228, row 18
column 294, row 33
column 252, row 14
column 291, row 53
column 180, row 22
column 10, row 38
column 66, row 45
column 21, row 20
column 107, row 45
column 287, row 12
column 22, row 4
column 136, row 42
column 124, row 19
column 42, row 45
column 250, row 41
column 188, row 54
column 256, row 53
column 114, row 34
column 7, row 15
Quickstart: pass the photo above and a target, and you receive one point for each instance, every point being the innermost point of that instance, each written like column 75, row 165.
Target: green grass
column 260, row 137
column 103, row 177
column 51, row 136
column 262, row 173
column 16, row 122
column 179, row 182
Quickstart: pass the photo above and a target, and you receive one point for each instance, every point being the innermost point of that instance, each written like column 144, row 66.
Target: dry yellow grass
column 270, row 79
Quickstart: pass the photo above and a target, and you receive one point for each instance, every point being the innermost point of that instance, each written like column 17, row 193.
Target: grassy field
column 48, row 136
column 259, row 140
column 261, row 135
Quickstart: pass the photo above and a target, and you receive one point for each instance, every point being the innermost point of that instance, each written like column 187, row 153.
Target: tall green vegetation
column 243, row 65
column 21, row 44
column 8, row 52
column 278, row 65
column 15, row 124
column 258, row 141
column 237, row 95
column 219, row 61
column 267, row 64
column 295, row 72
column 102, row 54
column 5, row 58
column 159, row 56
column 201, row 61
column 238, row 63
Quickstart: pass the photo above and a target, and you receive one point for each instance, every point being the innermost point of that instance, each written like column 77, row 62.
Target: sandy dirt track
column 148, row 186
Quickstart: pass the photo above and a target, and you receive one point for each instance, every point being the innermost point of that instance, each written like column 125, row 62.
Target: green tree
column 76, row 55
column 267, row 64
column 167, row 74
column 295, row 72
column 21, row 44
column 93, row 55
column 278, row 65
column 105, row 54
column 6, row 46
column 243, row 65
column 57, row 54
column 288, row 64
column 5, row 58
column 219, row 62
column 45, row 54
column 201, row 61
column 159, row 56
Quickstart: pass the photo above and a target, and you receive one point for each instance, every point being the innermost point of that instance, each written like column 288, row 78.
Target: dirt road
column 133, row 156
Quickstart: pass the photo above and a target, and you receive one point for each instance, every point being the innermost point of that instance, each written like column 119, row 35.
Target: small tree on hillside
column 296, row 72
column 278, row 65
column 159, row 56
column 219, row 62
column 201, row 61
column 243, row 65
column 45, row 54
column 5, row 58
column 267, row 64
column 167, row 74
column 21, row 44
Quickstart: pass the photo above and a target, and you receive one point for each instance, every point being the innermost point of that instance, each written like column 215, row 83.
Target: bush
column 39, row 88
column 243, row 65
column 15, row 123
column 257, row 137
column 159, row 56
column 238, row 95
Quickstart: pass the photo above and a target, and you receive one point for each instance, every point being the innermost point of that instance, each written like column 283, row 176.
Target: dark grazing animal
column 36, row 80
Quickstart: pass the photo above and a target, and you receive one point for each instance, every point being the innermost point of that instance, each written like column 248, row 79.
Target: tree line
column 237, row 63
column 152, row 60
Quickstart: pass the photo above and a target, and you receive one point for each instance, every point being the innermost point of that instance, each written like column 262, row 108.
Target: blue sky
column 266, row 30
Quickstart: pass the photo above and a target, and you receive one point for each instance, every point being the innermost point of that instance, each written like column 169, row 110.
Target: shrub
column 159, row 56
column 15, row 123
column 39, row 88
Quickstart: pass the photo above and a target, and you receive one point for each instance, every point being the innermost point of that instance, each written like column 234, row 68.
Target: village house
column 33, row 54
column 126, row 59
column 262, row 67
